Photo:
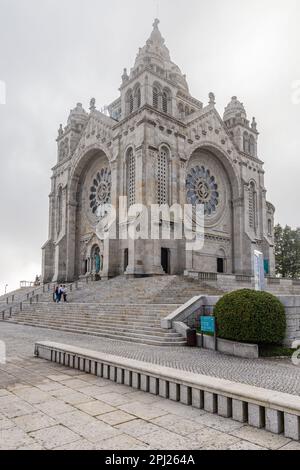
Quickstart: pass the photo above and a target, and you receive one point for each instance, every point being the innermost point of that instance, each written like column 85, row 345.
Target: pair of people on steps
column 59, row 293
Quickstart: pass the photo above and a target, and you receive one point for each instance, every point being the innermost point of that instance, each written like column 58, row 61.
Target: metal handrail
column 30, row 296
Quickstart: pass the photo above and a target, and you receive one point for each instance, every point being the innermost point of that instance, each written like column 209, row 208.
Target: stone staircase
column 18, row 295
column 122, row 309
column 161, row 289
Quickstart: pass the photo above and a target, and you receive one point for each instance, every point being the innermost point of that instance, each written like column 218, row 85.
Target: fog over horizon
column 56, row 53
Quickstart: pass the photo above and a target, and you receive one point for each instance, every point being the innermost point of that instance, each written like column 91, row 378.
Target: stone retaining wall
column 231, row 282
column 232, row 348
column 188, row 313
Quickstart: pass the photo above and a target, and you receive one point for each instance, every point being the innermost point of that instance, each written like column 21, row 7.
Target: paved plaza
column 47, row 406
column 280, row 375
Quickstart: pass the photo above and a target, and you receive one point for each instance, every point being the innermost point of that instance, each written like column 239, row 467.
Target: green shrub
column 251, row 316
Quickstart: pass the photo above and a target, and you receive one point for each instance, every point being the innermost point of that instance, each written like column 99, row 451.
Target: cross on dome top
column 156, row 36
column 156, row 23
column 156, row 56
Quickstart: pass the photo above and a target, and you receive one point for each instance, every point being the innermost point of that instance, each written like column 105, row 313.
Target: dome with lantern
column 77, row 115
column 156, row 56
column 235, row 109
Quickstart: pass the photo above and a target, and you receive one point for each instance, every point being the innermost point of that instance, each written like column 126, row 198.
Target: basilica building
column 157, row 144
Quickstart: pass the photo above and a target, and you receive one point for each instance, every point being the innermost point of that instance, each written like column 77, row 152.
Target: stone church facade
column 157, row 145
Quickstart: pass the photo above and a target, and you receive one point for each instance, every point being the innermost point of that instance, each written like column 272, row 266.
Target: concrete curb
column 275, row 411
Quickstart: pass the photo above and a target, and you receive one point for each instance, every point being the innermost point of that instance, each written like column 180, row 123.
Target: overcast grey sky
column 55, row 53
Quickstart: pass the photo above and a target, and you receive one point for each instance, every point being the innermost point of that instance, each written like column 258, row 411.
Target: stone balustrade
column 275, row 411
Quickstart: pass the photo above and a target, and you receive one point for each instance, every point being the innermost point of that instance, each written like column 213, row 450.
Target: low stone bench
column 275, row 411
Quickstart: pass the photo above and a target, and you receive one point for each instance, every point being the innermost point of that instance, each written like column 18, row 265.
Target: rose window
column 202, row 189
column 100, row 190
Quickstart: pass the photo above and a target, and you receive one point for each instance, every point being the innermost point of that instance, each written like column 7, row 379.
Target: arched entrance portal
column 92, row 188
column 211, row 182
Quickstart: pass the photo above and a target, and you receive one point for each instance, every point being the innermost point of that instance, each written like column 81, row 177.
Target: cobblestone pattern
column 279, row 375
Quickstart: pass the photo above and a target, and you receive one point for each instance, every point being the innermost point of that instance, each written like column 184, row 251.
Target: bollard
column 27, row 296
column 30, row 300
column 21, row 306
column 37, row 298
column 7, row 300
column 10, row 312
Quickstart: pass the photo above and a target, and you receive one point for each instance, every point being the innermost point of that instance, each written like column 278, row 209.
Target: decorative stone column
column 111, row 245
column 71, row 209
column 237, row 236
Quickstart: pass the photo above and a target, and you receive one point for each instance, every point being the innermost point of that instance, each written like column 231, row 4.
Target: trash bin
column 191, row 337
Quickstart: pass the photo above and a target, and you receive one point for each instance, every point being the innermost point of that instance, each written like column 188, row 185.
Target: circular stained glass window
column 202, row 189
column 100, row 191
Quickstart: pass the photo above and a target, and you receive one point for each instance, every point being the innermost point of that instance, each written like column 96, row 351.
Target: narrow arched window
column 59, row 207
column 252, row 146
column 129, row 102
column 252, row 206
column 130, row 162
column 137, row 97
column 180, row 109
column 270, row 230
column 163, row 176
column 165, row 100
column 155, row 97
column 246, row 143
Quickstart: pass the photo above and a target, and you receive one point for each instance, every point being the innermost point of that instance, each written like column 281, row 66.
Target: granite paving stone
column 54, row 436
column 261, row 437
column 116, row 417
column 34, row 422
column 45, row 405
column 95, row 408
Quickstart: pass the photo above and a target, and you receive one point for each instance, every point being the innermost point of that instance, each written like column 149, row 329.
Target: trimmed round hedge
column 251, row 316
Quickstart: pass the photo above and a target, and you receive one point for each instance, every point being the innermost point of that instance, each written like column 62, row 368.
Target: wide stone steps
column 161, row 290
column 143, row 339
column 89, row 319
column 125, row 322
column 18, row 294
column 95, row 320
column 103, row 315
column 121, row 308
column 112, row 328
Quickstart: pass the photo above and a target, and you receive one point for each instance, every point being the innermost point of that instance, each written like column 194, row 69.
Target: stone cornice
column 147, row 107
column 148, row 69
column 253, row 159
column 62, row 163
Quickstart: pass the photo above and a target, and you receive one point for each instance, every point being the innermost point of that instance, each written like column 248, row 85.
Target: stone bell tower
column 157, row 145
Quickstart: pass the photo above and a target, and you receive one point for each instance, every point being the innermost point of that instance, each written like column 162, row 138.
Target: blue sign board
column 267, row 266
column 208, row 324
